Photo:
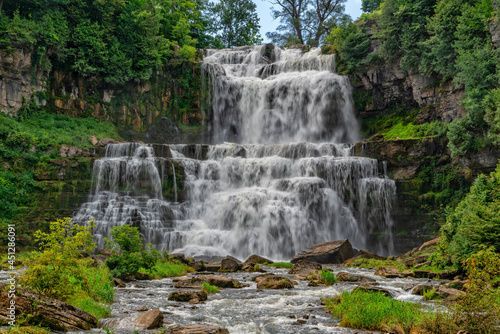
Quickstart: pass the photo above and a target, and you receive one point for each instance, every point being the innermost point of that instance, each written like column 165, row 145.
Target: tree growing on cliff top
column 305, row 21
column 234, row 23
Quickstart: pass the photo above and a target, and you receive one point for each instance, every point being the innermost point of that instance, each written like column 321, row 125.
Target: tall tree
column 304, row 21
column 234, row 23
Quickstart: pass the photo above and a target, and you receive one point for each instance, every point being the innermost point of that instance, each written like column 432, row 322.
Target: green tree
column 369, row 6
column 234, row 23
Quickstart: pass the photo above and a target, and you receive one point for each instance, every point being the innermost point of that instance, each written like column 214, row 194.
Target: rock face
column 46, row 312
column 384, row 85
column 150, row 320
column 332, row 252
column 198, row 329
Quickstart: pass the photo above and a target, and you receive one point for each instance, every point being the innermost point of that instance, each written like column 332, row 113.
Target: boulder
column 302, row 268
column 332, row 252
column 179, row 257
column 346, row 277
column 198, row 329
column 388, row 272
column 449, row 294
column 275, row 282
column 93, row 140
column 218, row 281
column 118, row 282
column 448, row 274
column 188, row 296
column 150, row 320
column 255, row 259
column 230, row 264
column 44, row 311
column 456, row 284
column 212, row 266
column 420, row 289
column 260, row 278
column 199, row 266
column 422, row 273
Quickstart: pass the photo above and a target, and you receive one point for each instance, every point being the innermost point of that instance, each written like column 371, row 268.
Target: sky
column 267, row 24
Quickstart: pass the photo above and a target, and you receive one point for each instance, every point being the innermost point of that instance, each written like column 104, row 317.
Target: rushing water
column 290, row 182
column 249, row 310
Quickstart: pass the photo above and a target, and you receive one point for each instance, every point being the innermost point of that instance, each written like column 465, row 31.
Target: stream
column 247, row 310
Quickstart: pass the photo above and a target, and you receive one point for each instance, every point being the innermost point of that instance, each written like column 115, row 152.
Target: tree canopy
column 305, row 21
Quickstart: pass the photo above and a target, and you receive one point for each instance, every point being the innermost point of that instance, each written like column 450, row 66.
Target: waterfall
column 286, row 180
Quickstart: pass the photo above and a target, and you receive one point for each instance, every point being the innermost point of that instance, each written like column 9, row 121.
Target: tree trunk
column 1, row 3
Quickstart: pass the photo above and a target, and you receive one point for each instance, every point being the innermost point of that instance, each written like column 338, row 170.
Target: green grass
column 169, row 268
column 25, row 330
column 374, row 264
column 281, row 264
column 89, row 305
column 209, row 288
column 401, row 124
column 431, row 295
column 54, row 130
column 375, row 311
column 328, row 277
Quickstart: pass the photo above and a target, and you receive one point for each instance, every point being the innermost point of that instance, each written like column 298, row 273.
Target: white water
column 292, row 183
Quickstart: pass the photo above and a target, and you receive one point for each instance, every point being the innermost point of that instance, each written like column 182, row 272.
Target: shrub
column 169, row 268
column 281, row 264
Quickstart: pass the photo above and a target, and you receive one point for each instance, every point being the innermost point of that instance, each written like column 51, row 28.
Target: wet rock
column 255, row 259
column 275, row 282
column 408, row 274
column 420, row 289
column 198, row 329
column 199, row 266
column 388, row 272
column 449, row 294
column 363, row 254
column 188, row 296
column 303, row 268
column 230, row 264
column 141, row 308
column 346, row 277
column 422, row 273
column 371, row 288
column 179, row 257
column 261, row 278
column 43, row 311
column 150, row 320
column 218, row 281
column 212, row 266
column 118, row 282
column 332, row 252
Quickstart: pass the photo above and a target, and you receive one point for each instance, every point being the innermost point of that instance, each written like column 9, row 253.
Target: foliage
column 375, row 311
column 350, row 43
column 431, row 295
column 475, row 222
column 328, row 277
column 117, row 40
column 234, row 23
column 25, row 330
column 58, row 271
column 281, row 264
column 305, row 21
column 369, row 6
column 209, row 288
column 168, row 268
column 375, row 263
column 15, row 192
column 127, row 257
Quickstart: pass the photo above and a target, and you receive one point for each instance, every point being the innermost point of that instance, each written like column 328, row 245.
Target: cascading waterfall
column 287, row 181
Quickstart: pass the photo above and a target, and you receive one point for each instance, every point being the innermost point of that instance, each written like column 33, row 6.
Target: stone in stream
column 256, row 259
column 420, row 289
column 199, row 266
column 332, row 252
column 303, row 268
column 150, row 320
column 218, row 281
column 274, row 282
column 230, row 264
column 197, row 329
column 193, row 297
column 212, row 266
column 45, row 311
column 346, row 277
column 388, row 272
column 449, row 294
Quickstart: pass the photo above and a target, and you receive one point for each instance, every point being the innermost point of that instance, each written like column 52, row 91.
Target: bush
column 281, row 264
column 58, row 270
column 169, row 268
